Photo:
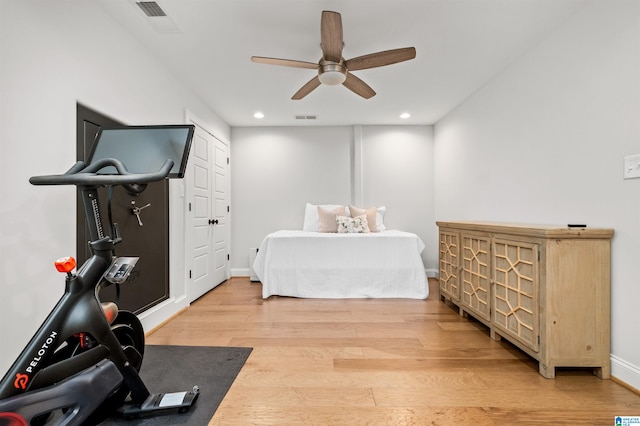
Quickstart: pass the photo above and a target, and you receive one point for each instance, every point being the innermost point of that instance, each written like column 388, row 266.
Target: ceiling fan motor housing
column 332, row 73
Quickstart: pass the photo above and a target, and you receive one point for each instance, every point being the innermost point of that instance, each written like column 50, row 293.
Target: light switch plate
column 632, row 166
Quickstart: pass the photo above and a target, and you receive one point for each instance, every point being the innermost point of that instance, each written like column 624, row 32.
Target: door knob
column 213, row 221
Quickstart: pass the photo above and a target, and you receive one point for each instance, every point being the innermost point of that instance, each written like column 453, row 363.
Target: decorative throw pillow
column 327, row 218
column 378, row 226
column 352, row 225
column 371, row 214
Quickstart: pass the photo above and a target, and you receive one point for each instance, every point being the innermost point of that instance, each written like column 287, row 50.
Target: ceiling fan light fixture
column 332, row 78
column 332, row 73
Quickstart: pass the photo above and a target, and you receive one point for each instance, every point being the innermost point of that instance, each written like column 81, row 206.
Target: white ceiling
column 460, row 44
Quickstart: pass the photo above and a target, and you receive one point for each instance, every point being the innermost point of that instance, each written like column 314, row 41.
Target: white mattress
column 326, row 265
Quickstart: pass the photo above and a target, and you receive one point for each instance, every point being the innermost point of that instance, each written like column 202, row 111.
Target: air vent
column 151, row 8
column 306, row 117
column 157, row 17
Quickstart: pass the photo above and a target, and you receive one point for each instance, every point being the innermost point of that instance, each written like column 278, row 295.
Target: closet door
column 221, row 225
column 207, row 216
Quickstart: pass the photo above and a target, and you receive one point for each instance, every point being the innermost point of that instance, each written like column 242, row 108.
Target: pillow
column 312, row 220
column 375, row 216
column 352, row 225
column 380, row 211
column 370, row 213
column 327, row 218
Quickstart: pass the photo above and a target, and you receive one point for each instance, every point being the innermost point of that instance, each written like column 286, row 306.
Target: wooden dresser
column 546, row 289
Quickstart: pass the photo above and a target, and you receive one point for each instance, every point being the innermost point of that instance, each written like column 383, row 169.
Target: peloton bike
column 82, row 364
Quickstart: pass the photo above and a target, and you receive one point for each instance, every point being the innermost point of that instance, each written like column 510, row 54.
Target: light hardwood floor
column 381, row 362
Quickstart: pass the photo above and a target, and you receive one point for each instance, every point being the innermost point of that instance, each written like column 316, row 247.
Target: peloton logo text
column 41, row 352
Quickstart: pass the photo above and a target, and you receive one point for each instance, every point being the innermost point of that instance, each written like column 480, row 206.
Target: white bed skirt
column 326, row 265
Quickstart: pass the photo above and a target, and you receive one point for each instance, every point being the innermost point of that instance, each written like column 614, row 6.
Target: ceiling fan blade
column 381, row 59
column 284, row 62
column 306, row 89
column 358, row 86
column 331, row 36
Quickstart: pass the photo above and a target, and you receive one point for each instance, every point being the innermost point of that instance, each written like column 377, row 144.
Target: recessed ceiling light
column 258, row 115
column 405, row 115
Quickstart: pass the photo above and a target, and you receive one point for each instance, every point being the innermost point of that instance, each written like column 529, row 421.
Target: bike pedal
column 180, row 401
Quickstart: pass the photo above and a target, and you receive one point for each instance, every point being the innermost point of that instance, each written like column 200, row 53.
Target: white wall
column 397, row 171
column 275, row 171
column 544, row 143
column 52, row 55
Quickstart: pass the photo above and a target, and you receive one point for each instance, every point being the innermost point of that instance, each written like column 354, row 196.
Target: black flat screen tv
column 144, row 149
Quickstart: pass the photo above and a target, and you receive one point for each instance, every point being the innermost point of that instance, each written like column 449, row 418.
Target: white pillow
column 312, row 219
column 380, row 211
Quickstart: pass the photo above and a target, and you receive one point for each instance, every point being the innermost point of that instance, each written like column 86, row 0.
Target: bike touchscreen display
column 144, row 149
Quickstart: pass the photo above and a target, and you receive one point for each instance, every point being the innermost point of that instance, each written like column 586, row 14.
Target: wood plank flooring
column 381, row 362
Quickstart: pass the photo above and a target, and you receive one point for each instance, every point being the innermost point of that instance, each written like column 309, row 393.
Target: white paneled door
column 208, row 212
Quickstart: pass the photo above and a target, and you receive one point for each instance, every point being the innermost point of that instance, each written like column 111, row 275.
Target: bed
column 311, row 264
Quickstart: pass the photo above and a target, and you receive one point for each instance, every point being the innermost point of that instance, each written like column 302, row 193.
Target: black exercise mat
column 179, row 368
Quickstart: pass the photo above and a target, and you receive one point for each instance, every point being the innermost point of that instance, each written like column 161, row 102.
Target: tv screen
column 144, row 149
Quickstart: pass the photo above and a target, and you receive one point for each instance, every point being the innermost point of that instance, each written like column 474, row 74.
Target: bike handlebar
column 82, row 174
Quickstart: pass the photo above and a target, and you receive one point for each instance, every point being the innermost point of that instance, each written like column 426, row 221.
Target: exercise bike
column 82, row 364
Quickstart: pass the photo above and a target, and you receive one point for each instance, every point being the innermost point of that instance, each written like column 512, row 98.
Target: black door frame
column 148, row 286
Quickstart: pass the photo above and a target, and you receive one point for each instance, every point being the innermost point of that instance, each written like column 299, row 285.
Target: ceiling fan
column 332, row 68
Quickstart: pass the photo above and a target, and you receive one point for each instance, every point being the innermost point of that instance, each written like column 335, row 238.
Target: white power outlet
column 632, row 166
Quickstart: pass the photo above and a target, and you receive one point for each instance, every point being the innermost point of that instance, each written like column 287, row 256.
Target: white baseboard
column 240, row 272
column 153, row 317
column 625, row 372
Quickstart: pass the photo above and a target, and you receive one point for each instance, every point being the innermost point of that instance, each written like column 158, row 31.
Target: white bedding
column 328, row 265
